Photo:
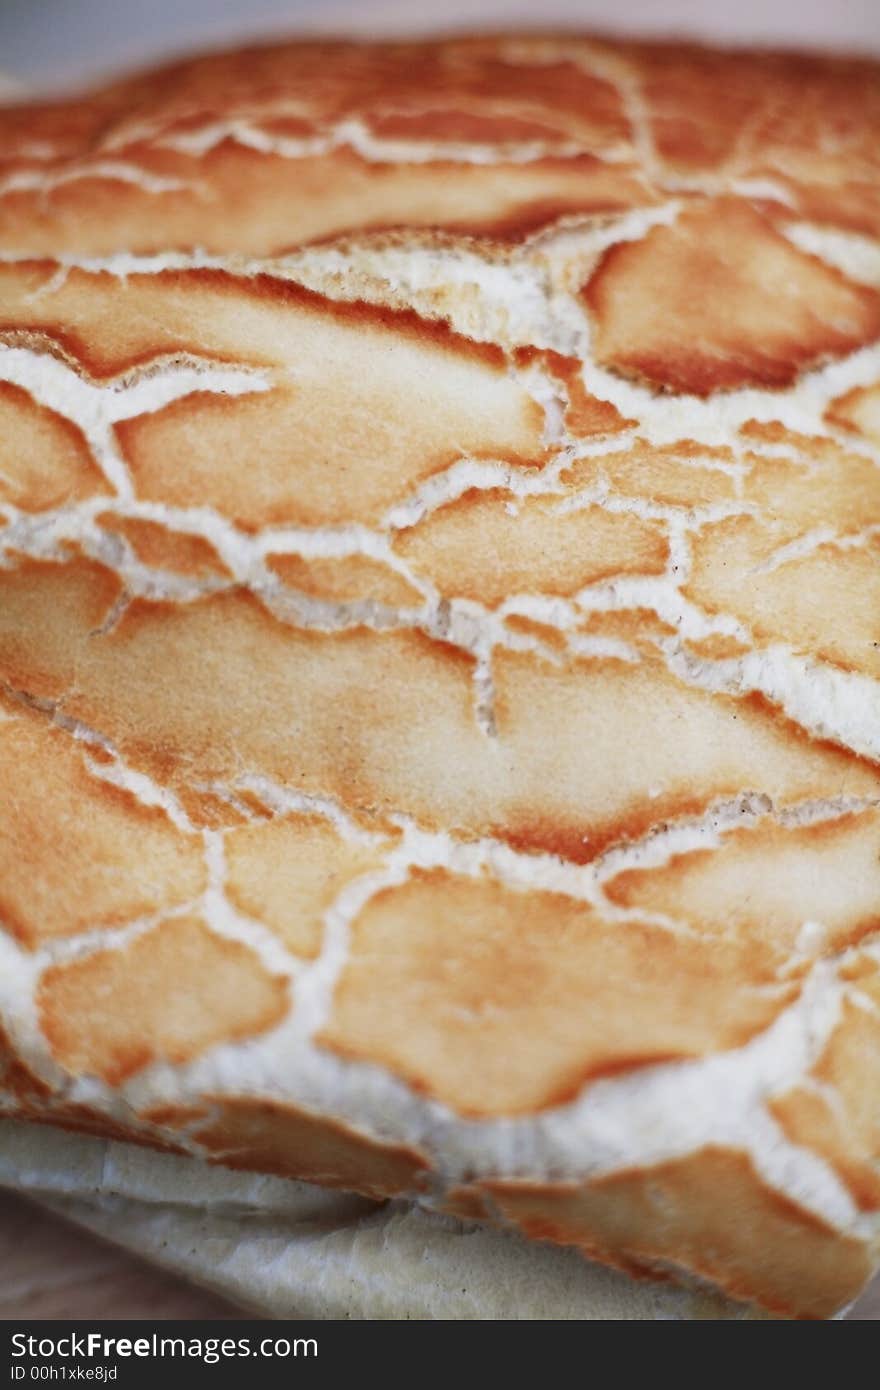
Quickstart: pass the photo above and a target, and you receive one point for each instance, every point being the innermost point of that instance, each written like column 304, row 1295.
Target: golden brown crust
column 536, row 547
column 717, row 647
column 334, row 194
column 837, row 1112
column 345, row 579
column 167, row 995
column 148, row 151
column 680, row 475
column 262, row 1136
column 468, row 1205
column 585, row 415
column 143, row 683
column 160, row 548
column 792, row 873
column 722, row 300
column 439, row 515
column 341, row 442
column 17, row 1080
column 289, row 871
column 78, row 852
column 779, row 603
column 637, row 628
column 84, row 1119
column 544, row 991
column 45, row 461
column 708, row 1213
column 545, row 633
column 859, row 412
column 108, row 324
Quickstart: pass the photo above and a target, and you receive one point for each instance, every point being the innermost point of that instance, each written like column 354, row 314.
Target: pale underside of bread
column 283, row 1248
column 440, row 637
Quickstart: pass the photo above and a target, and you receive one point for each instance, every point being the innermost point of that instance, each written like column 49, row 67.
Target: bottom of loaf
column 286, row 1249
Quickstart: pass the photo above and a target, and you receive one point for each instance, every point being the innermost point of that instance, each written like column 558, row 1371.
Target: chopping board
column 49, row 1269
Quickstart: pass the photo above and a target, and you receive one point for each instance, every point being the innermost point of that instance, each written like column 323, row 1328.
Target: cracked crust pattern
column 650, row 1219
column 439, row 637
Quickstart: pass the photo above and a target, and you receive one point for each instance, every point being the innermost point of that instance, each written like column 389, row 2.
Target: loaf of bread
column 440, row 637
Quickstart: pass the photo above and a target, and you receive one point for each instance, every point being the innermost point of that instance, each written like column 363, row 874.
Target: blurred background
column 63, row 41
column 49, row 1270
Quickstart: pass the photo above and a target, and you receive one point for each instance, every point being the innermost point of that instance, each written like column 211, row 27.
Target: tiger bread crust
column 439, row 637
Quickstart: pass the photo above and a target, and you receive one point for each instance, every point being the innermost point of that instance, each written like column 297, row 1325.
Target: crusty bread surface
column 440, row 637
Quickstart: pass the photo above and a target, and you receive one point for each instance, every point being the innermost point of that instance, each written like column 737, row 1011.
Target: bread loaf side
column 440, row 636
